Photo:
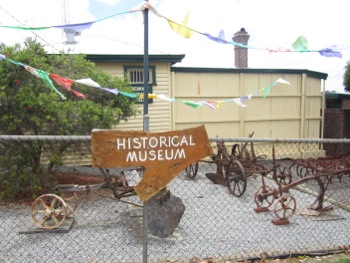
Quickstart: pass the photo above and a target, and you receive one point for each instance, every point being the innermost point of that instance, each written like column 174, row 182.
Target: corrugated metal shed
column 288, row 111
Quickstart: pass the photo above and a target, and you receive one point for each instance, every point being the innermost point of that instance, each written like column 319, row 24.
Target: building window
column 135, row 77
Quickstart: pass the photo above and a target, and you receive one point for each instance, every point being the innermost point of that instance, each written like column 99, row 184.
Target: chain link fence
column 219, row 220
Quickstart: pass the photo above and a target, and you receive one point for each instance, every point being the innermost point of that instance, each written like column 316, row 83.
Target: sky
column 270, row 24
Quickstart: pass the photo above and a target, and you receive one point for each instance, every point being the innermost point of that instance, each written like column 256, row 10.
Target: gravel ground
column 215, row 225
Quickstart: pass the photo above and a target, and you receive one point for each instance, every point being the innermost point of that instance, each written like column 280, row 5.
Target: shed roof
column 135, row 58
column 330, row 95
column 310, row 73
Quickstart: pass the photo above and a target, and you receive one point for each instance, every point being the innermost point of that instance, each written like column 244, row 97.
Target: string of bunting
column 299, row 45
column 214, row 104
column 65, row 82
column 48, row 79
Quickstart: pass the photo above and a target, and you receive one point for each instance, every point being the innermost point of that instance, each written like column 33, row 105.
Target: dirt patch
column 341, row 257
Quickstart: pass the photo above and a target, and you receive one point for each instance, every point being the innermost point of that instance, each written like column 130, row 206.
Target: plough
column 321, row 170
column 49, row 211
column 234, row 169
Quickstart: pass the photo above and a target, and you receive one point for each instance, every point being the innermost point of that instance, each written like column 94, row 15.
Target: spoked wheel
column 49, row 211
column 236, row 178
column 71, row 200
column 262, row 197
column 303, row 171
column 282, row 174
column 192, row 170
column 285, row 206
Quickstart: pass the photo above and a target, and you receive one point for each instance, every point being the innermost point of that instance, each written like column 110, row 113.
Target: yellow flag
column 182, row 29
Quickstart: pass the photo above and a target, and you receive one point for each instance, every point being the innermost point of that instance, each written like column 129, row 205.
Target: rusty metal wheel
column 282, row 174
column 71, row 200
column 49, row 211
column 285, row 206
column 303, row 171
column 236, row 178
column 192, row 170
column 263, row 197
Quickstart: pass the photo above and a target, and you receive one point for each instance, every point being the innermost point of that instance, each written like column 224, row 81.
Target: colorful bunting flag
column 180, row 29
column 113, row 91
column 282, row 81
column 152, row 9
column 88, row 82
column 76, row 27
column 32, row 71
column 218, row 104
column 67, row 83
column 192, row 104
column 220, row 38
column 327, row 52
column 78, row 94
column 207, row 103
column 164, row 97
column 45, row 77
column 301, row 44
column 239, row 102
column 26, row 28
column 130, row 95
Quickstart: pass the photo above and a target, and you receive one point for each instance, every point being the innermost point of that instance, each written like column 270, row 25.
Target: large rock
column 165, row 212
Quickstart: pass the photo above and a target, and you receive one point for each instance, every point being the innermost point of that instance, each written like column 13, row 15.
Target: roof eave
column 310, row 73
column 135, row 58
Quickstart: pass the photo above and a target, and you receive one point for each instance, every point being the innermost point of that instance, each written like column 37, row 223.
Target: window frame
column 138, row 87
column 151, row 73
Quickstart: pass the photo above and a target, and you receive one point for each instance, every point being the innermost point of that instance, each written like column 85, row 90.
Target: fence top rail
column 216, row 139
column 280, row 140
column 45, row 137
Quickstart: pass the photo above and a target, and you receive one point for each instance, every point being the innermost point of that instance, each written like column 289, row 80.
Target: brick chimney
column 241, row 53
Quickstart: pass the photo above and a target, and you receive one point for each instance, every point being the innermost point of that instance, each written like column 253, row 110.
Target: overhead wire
column 30, row 30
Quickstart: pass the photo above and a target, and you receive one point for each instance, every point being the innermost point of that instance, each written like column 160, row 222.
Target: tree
column 29, row 107
column 346, row 77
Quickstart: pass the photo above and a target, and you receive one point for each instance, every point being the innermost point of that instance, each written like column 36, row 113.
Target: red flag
column 78, row 94
column 67, row 83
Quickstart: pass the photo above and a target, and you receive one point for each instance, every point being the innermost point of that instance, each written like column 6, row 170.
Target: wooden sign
column 164, row 155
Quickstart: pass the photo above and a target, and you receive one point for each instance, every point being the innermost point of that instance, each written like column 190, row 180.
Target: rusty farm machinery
column 49, row 211
column 232, row 170
column 321, row 170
